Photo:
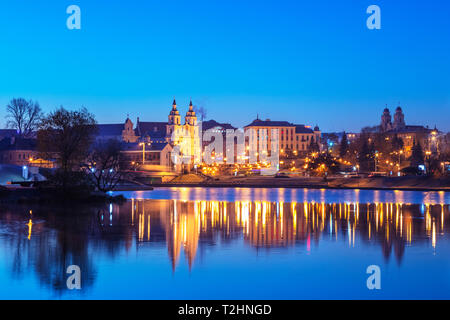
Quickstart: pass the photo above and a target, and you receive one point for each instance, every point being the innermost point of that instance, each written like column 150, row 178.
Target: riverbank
column 376, row 183
column 29, row 195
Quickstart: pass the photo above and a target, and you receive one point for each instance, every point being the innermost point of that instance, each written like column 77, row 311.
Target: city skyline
column 224, row 158
column 306, row 63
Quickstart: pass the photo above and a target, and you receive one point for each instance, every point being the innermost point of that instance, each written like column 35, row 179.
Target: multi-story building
column 19, row 151
column 151, row 154
column 294, row 138
column 120, row 131
column 187, row 136
column 155, row 137
column 409, row 134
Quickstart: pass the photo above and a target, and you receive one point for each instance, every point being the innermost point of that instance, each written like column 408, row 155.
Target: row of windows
column 304, row 138
column 301, row 147
column 19, row 156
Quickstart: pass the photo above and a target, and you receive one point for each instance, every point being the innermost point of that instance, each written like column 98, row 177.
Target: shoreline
column 375, row 183
column 252, row 186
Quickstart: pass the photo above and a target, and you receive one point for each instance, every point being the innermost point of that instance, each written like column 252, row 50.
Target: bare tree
column 102, row 164
column 24, row 116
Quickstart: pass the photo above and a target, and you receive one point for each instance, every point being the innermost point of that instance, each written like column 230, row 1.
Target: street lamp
column 376, row 160
column 143, row 151
column 428, row 154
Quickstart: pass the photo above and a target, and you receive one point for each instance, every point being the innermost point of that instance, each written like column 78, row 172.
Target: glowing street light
column 143, row 151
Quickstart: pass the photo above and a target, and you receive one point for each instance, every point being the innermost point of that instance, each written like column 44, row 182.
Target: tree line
column 67, row 137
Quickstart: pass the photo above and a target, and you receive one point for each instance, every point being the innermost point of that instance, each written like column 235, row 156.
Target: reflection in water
column 279, row 224
column 48, row 240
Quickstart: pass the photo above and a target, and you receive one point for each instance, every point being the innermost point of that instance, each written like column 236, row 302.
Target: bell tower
column 174, row 116
column 386, row 121
column 399, row 119
column 174, row 120
column 191, row 118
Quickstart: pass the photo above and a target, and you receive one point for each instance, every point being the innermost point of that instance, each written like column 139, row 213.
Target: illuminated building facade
column 409, row 134
column 292, row 137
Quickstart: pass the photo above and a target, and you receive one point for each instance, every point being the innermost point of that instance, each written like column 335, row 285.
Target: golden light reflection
column 30, row 227
column 186, row 224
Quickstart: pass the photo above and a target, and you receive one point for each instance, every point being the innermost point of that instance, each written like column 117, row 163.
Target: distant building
column 352, row 136
column 215, row 127
column 292, row 137
column 121, row 132
column 386, row 121
column 7, row 133
column 22, row 152
column 158, row 136
column 213, row 124
column 17, row 151
column 153, row 132
column 332, row 139
column 410, row 134
column 157, row 154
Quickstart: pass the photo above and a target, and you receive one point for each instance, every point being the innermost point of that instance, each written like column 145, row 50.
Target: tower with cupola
column 174, row 120
column 399, row 119
column 386, row 121
column 191, row 118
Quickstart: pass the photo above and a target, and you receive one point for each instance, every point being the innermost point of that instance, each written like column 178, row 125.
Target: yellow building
column 186, row 136
column 292, row 137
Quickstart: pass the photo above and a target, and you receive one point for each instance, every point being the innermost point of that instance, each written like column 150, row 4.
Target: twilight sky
column 311, row 62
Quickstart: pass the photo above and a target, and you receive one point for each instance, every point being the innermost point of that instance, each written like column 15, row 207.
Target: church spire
column 174, row 116
column 191, row 118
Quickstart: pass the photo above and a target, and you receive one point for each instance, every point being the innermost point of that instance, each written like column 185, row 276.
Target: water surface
column 199, row 243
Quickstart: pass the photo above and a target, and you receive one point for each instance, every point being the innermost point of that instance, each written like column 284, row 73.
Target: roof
column 110, row 129
column 8, row 132
column 158, row 146
column 206, row 125
column 152, row 129
column 303, row 129
column 17, row 144
column 299, row 128
column 135, row 146
column 269, row 123
column 411, row 129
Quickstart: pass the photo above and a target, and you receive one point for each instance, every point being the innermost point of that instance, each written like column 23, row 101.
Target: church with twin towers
column 410, row 134
column 386, row 120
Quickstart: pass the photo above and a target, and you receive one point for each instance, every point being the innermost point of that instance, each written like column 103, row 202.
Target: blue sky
column 312, row 62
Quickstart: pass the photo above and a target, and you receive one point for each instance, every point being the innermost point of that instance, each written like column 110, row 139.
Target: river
column 231, row 243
